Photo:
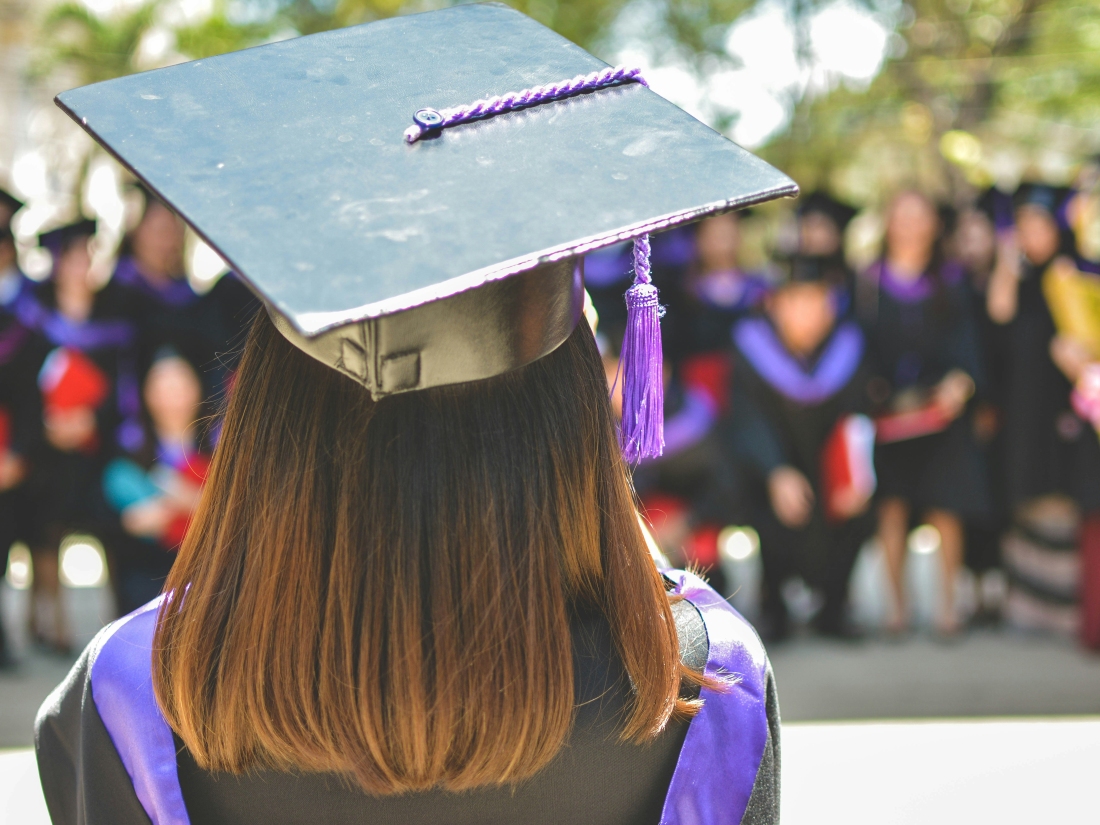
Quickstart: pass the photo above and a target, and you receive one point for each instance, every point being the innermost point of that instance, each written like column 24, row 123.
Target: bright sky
column 846, row 44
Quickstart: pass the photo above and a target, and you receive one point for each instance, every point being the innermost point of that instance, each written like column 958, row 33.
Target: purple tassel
column 642, row 434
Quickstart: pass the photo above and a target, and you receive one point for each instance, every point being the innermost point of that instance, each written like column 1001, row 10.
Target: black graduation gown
column 21, row 353
column 1047, row 448
column 206, row 329
column 65, row 486
column 723, row 767
column 784, row 410
column 917, row 334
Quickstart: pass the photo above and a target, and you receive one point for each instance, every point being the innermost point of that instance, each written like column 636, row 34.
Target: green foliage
column 92, row 47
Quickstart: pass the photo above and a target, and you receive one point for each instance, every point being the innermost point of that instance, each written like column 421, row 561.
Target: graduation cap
column 412, row 198
column 1051, row 199
column 60, row 239
column 821, row 203
column 806, row 269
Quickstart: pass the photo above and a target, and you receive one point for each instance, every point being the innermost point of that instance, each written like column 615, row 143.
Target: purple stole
column 711, row 785
column 838, row 362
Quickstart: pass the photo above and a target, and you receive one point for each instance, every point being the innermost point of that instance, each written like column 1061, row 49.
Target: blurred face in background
column 74, row 262
column 976, row 241
column 173, row 394
column 803, row 314
column 1037, row 233
column 158, row 242
column 718, row 241
column 818, row 234
column 911, row 229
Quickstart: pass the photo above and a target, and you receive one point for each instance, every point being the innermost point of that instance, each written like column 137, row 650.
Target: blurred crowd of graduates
column 954, row 382
column 951, row 383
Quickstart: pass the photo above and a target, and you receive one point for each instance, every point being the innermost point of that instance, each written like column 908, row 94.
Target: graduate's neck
column 908, row 262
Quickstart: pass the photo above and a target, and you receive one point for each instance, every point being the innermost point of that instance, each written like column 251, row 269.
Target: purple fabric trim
column 691, row 423
column 908, row 292
column 758, row 342
column 177, row 293
column 674, row 247
column 122, row 689
column 12, row 340
column 607, row 267
column 745, row 290
column 85, row 336
column 487, row 107
column 725, row 742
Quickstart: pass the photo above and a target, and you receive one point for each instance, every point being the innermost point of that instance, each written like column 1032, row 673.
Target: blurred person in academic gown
column 156, row 487
column 1052, row 457
column 87, row 387
column 822, row 222
column 926, row 364
column 980, row 229
column 800, row 431
column 206, row 328
column 21, row 350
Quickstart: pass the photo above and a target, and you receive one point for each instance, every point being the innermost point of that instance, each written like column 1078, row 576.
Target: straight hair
column 384, row 589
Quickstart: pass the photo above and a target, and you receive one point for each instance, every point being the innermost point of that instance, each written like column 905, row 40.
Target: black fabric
column 1047, row 448
column 595, row 779
column 913, row 345
column 763, row 807
column 83, row 778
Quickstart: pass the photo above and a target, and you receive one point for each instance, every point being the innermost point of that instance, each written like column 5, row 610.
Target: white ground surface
column 872, row 773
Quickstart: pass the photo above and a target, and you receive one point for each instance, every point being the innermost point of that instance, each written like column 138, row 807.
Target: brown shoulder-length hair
column 384, row 589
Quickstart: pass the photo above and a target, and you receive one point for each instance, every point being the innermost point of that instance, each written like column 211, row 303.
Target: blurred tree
column 976, row 91
column 91, row 47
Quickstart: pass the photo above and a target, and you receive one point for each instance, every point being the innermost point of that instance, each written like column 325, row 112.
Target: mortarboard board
column 408, row 263
column 59, row 239
column 824, row 204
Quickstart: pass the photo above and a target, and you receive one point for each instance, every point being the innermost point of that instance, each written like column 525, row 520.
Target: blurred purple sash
column 838, row 362
column 176, row 293
column 122, row 689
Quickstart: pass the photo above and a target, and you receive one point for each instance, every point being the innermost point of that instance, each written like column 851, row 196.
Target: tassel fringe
column 642, row 434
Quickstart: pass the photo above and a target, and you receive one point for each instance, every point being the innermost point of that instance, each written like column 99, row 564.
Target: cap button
column 428, row 119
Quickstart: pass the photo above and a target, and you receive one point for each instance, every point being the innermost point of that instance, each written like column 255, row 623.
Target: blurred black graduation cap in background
column 447, row 260
column 825, row 204
column 59, row 239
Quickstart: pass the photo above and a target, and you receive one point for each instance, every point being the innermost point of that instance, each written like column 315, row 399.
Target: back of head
column 384, row 588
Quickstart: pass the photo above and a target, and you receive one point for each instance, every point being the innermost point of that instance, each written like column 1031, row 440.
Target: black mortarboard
column 824, row 204
column 1051, row 199
column 802, row 269
column 59, row 239
column 415, row 264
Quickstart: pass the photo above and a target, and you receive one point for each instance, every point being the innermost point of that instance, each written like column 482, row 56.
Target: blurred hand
column 952, row 393
column 791, row 495
column 1070, row 356
column 70, row 430
column 850, row 503
column 12, row 470
column 1002, row 295
column 149, row 518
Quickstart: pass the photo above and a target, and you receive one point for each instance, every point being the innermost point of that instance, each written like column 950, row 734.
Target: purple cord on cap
column 428, row 121
column 642, row 434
